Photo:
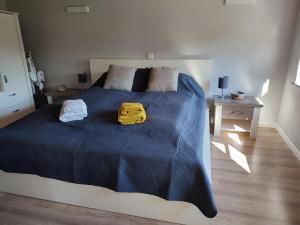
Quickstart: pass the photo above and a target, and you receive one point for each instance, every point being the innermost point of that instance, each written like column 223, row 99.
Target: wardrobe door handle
column 12, row 95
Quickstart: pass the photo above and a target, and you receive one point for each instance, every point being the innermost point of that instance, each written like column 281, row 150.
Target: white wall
column 250, row 43
column 2, row 5
column 289, row 116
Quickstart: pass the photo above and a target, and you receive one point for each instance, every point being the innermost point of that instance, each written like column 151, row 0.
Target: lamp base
column 223, row 95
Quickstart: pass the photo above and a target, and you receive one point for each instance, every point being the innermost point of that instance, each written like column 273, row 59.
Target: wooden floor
column 254, row 182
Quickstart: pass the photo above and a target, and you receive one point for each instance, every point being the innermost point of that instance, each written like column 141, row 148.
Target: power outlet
column 150, row 55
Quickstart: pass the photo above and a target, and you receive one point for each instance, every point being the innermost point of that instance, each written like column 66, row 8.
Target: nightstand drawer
column 235, row 112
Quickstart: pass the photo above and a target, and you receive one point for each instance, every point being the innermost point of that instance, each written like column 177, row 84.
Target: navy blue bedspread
column 161, row 157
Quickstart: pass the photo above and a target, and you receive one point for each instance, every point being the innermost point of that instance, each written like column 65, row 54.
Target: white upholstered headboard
column 200, row 69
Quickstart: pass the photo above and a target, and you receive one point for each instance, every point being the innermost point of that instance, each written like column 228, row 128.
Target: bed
column 163, row 157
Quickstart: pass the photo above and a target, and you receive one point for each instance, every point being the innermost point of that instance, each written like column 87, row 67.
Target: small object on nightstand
column 223, row 84
column 237, row 115
column 61, row 88
column 238, row 95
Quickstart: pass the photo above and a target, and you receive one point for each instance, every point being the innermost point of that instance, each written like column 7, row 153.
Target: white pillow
column 163, row 79
column 120, row 78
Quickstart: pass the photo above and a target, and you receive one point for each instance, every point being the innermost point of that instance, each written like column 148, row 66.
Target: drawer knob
column 17, row 110
column 12, row 95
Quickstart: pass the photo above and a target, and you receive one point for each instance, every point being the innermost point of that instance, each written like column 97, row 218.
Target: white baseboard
column 288, row 141
column 284, row 136
column 268, row 125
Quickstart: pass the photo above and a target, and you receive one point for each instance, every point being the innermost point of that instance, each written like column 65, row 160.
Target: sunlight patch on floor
column 239, row 158
column 235, row 138
column 238, row 128
column 235, row 155
column 220, row 146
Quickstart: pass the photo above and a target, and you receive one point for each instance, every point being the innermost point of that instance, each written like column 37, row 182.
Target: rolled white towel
column 72, row 110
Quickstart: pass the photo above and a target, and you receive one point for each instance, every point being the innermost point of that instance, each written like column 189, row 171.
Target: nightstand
column 59, row 96
column 237, row 115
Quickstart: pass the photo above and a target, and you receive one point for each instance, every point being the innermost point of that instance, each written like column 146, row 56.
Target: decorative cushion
column 120, row 78
column 140, row 82
column 101, row 80
column 141, row 79
column 163, row 79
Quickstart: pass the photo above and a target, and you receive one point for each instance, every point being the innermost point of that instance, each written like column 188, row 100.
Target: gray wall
column 2, row 5
column 250, row 43
column 289, row 116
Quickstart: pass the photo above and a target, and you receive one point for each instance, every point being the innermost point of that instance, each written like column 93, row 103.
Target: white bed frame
column 136, row 204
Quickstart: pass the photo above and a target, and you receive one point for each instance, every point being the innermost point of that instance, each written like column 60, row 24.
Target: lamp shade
column 223, row 82
column 82, row 78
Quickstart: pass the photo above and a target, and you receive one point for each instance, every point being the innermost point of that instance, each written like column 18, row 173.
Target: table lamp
column 223, row 84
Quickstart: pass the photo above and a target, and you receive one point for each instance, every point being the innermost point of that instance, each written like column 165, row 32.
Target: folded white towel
column 73, row 110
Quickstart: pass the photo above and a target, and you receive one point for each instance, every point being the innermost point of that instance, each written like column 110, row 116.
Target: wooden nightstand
column 58, row 96
column 237, row 115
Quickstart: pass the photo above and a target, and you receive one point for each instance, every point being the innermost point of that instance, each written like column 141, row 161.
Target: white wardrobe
column 16, row 99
